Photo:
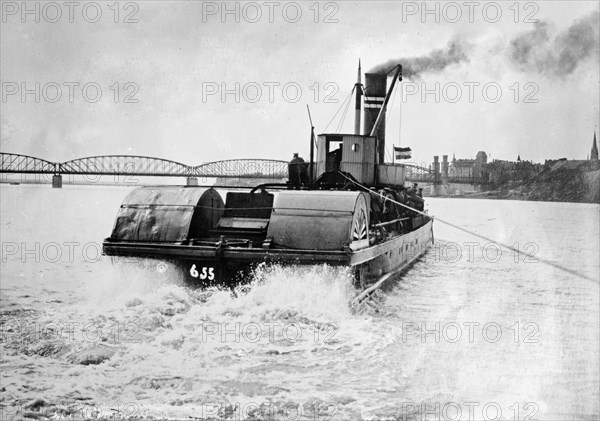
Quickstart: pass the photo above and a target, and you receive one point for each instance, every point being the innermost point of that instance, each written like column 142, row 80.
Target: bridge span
column 132, row 165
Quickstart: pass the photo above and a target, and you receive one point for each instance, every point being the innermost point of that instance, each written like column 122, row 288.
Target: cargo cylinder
column 375, row 91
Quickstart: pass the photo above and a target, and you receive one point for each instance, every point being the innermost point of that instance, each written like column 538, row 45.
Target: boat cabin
column 356, row 155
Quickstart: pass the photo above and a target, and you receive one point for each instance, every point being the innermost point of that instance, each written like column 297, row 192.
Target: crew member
column 297, row 170
column 390, row 210
column 414, row 201
column 421, row 202
column 413, row 190
column 376, row 206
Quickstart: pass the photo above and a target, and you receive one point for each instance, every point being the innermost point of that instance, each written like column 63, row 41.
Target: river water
column 470, row 332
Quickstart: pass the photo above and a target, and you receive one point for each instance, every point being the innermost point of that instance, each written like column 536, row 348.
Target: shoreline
column 497, row 194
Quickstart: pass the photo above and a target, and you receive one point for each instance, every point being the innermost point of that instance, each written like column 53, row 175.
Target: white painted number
column 205, row 273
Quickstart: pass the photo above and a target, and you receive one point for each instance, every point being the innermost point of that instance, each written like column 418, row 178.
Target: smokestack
column 375, row 84
column 358, row 88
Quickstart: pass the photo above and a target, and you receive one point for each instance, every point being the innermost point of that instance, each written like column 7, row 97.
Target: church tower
column 594, row 155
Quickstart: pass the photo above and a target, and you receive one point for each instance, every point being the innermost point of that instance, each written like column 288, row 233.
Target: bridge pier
column 192, row 181
column 445, row 168
column 57, row 181
column 438, row 190
column 436, row 170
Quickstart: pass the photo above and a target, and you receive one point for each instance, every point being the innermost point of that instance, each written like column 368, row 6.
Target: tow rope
column 483, row 237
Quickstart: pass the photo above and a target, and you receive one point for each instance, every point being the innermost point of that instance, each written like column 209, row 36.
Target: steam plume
column 436, row 61
column 537, row 50
column 540, row 50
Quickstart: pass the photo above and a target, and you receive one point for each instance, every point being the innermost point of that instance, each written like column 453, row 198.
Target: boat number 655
column 204, row 273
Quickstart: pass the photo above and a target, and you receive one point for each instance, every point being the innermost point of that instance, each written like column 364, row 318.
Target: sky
column 196, row 82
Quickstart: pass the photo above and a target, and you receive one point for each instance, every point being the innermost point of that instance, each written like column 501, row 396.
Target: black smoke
column 541, row 50
column 436, row 61
column 546, row 51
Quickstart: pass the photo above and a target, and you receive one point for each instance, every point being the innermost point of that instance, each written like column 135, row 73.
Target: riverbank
column 564, row 181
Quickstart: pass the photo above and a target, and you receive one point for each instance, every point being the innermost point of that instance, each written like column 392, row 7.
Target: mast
column 358, row 87
column 312, row 148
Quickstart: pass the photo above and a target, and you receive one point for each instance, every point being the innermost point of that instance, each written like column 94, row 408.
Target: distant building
column 499, row 171
column 468, row 168
column 481, row 157
column 478, row 170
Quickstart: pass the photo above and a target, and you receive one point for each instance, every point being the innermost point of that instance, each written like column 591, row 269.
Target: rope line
column 343, row 117
column 506, row 246
column 339, row 109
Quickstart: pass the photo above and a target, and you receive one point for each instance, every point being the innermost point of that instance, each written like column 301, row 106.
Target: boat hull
column 228, row 265
column 393, row 255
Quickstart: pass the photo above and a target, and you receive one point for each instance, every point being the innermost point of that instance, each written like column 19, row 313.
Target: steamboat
column 346, row 206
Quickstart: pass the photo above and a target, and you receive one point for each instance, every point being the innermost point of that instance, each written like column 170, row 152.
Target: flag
column 402, row 153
